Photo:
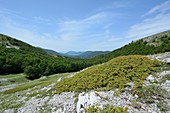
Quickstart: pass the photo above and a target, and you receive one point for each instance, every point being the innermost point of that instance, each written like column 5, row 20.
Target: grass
column 13, row 79
column 163, row 67
column 151, row 93
column 21, row 87
column 12, row 75
column 163, row 106
column 25, row 83
column 30, row 84
column 164, row 78
column 107, row 109
column 12, row 98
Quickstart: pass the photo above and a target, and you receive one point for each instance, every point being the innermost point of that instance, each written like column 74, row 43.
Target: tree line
column 35, row 65
column 140, row 47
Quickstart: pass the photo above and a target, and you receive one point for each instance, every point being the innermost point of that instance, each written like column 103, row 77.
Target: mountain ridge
column 9, row 42
column 157, row 43
column 85, row 54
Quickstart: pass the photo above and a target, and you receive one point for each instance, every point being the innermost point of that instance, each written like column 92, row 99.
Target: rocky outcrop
column 165, row 57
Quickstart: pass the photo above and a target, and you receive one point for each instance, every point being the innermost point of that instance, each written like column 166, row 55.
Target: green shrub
column 114, row 74
column 92, row 109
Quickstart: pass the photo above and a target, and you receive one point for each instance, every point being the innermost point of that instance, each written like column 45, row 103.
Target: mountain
column 18, row 57
column 72, row 53
column 9, row 42
column 158, row 43
column 84, row 55
column 91, row 54
column 51, row 52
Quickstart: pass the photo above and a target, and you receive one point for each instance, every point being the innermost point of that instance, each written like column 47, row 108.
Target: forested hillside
column 158, row 43
column 18, row 57
column 9, row 42
column 91, row 54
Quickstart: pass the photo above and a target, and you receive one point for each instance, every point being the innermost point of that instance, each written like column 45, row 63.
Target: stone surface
column 150, row 78
column 9, row 111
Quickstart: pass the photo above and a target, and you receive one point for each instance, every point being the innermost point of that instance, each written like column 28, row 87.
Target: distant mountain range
column 75, row 54
column 86, row 54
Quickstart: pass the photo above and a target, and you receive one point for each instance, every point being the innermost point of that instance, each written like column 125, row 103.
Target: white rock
column 86, row 100
column 150, row 78
column 59, row 80
column 166, row 85
column 9, row 111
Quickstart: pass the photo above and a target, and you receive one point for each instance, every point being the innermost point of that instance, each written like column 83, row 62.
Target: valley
column 18, row 94
column 133, row 78
column 84, row 56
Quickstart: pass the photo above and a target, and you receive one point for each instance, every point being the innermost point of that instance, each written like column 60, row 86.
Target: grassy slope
column 111, row 75
column 13, row 79
column 25, row 83
column 24, row 88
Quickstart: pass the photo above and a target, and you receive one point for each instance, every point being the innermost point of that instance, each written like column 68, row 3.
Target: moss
column 114, row 74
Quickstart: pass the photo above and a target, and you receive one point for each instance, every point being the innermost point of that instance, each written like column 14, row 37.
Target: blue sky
column 81, row 25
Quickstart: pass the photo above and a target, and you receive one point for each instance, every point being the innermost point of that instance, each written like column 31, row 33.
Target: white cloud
column 162, row 8
column 113, row 5
column 78, row 29
column 74, row 34
column 98, row 18
column 43, row 20
column 13, row 28
column 151, row 25
column 12, row 14
column 113, row 39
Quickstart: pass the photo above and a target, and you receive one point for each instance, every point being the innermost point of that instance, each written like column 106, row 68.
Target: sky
column 83, row 25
